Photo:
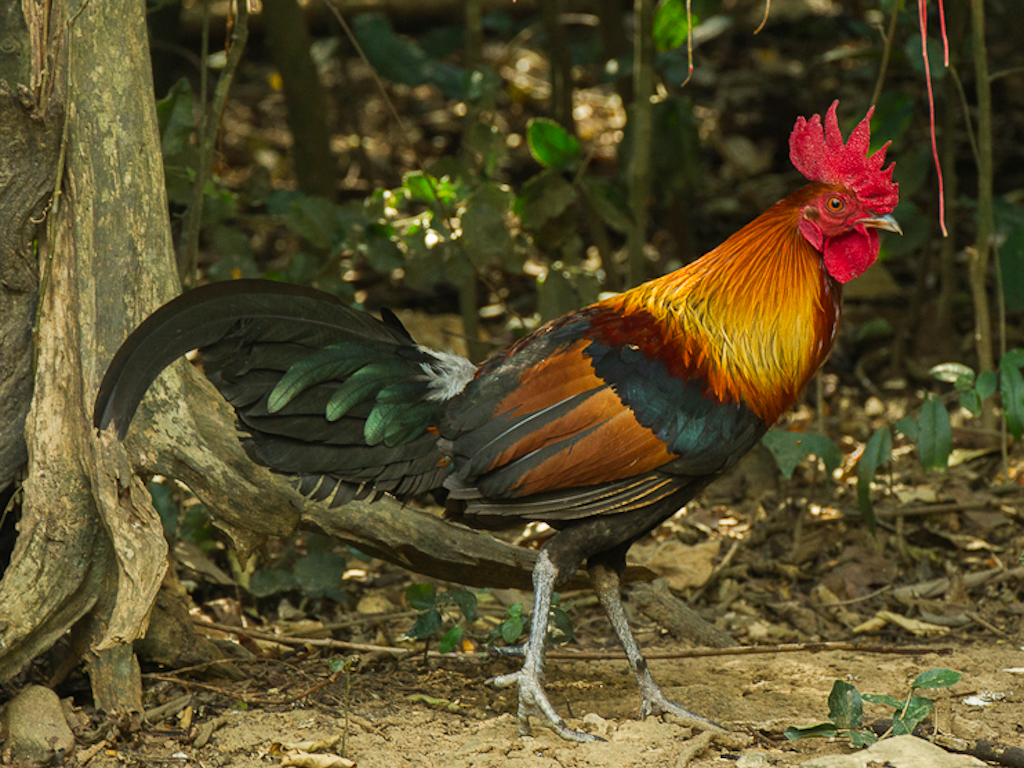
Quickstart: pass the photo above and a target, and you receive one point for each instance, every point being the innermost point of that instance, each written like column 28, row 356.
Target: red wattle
column 848, row 255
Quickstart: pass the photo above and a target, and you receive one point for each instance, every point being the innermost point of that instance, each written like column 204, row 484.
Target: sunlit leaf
column 863, row 738
column 950, row 372
column 551, row 145
column 937, row 678
column 821, row 730
column 888, row 701
column 845, row 706
column 916, row 711
column 670, row 25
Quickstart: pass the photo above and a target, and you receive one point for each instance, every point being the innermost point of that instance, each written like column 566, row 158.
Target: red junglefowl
column 602, row 423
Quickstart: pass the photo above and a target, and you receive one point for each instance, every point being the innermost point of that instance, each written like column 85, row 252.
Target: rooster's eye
column 835, row 204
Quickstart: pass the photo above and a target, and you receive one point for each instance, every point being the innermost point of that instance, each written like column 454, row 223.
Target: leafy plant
column 931, row 428
column 790, row 448
column 434, row 614
column 846, row 710
column 560, row 629
column 318, row 572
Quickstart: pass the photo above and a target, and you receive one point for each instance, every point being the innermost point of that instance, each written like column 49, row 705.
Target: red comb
column 822, row 156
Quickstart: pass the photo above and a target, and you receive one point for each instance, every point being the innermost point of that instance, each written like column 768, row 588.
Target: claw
column 533, row 702
column 652, row 700
column 655, row 703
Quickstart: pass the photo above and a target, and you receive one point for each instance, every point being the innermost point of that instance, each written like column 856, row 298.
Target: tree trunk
column 89, row 549
column 90, row 552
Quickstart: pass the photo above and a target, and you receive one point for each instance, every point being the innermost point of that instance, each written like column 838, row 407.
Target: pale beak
column 886, row 222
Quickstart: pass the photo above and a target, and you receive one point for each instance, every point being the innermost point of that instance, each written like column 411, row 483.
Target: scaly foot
column 654, row 702
column 534, row 702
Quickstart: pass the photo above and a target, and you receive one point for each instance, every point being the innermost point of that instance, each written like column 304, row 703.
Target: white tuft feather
column 449, row 375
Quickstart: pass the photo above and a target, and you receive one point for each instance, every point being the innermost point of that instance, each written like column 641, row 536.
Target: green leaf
column 935, row 435
column 563, row 631
column 875, row 329
column 424, row 187
column 671, row 25
column 269, row 581
column 464, row 600
column 937, row 678
column 863, row 738
column 907, row 426
column 421, row 597
column 1013, row 358
column 451, row 640
column 821, row 730
column 889, row 701
column 610, row 202
column 971, row 402
column 176, row 119
column 916, row 711
column 790, row 448
column 845, row 706
column 342, row 663
column 912, row 50
column 321, row 573
column 316, row 219
column 381, row 251
column 426, row 625
column 877, row 451
column 485, row 233
column 1009, row 221
column 511, row 629
column 542, row 198
column 551, row 145
column 401, row 60
column 1011, row 386
column 951, row 372
column 987, row 383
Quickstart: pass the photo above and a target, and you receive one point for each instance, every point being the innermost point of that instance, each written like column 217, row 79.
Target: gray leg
column 653, row 701
column 530, row 678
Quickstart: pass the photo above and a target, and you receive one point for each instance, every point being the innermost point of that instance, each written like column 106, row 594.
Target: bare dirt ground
column 756, row 697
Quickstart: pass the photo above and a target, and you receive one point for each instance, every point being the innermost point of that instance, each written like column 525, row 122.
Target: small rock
column 597, row 725
column 36, row 731
column 897, row 752
column 755, row 758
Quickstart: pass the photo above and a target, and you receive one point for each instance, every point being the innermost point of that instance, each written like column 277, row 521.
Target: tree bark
column 90, row 552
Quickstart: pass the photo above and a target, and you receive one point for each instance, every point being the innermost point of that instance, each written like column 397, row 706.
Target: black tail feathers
column 324, row 392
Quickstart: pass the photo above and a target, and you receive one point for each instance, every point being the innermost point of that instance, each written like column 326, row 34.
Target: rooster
column 602, row 423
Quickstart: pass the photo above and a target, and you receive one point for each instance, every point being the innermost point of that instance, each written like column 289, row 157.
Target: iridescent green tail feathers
column 347, row 403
